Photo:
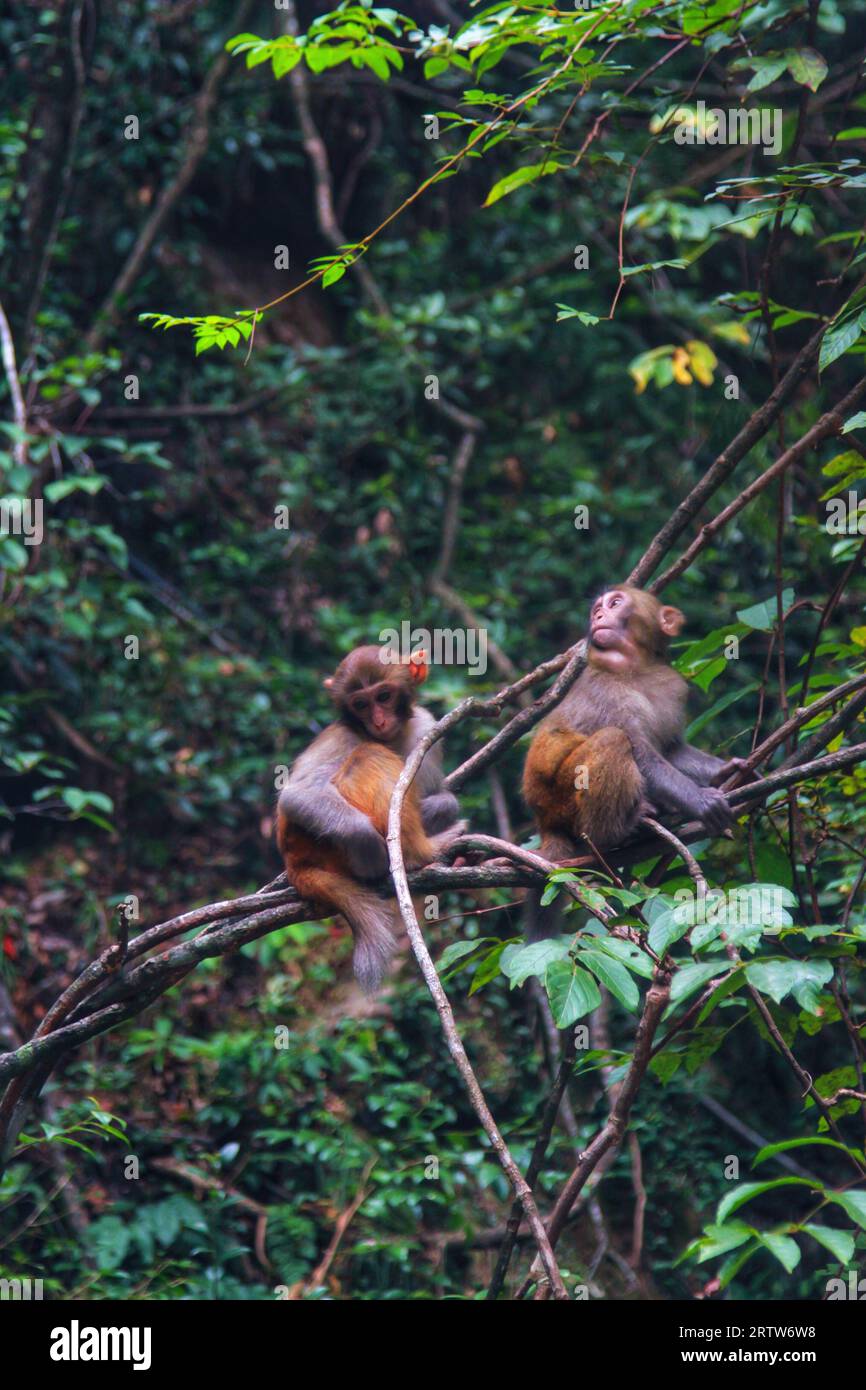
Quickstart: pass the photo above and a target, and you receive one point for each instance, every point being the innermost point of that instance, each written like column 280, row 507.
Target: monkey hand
column 734, row 768
column 713, row 810
column 366, row 851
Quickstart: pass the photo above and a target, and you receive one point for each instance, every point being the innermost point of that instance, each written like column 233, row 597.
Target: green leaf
column 856, row 422
column 434, row 66
column 614, row 976
column 854, row 1203
column 807, row 67
column 767, row 70
column 519, row 962
column 456, row 951
column 839, row 1243
column 572, row 992
column 785, row 1249
column 802, row 978
column 108, row 1241
column 652, row 265
column 718, row 1240
column 565, row 312
column 745, row 1191
column 284, row 60
column 769, row 1150
column 377, row 61
column 488, row 967
column 333, row 273
column 690, row 978
column 62, row 487
column 837, row 341
column 732, row 1266
column 762, row 616
column 667, row 928
column 726, row 988
column 528, row 173
column 629, row 953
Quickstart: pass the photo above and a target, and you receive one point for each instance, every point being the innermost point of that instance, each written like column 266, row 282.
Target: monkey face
column 609, row 619
column 380, row 709
column 629, row 628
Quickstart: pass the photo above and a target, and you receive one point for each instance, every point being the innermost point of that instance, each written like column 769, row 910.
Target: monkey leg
column 548, row 788
column 609, row 791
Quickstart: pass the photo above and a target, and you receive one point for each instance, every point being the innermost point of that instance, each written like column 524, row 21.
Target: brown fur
column 320, row 871
column 615, row 746
column 588, row 731
column 367, row 780
column 604, row 811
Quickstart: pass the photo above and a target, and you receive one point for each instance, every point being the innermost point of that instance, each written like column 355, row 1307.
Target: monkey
column 332, row 814
column 614, row 750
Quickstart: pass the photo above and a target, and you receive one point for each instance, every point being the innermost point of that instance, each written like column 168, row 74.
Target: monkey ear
column 671, row 620
column 328, row 682
column 418, row 668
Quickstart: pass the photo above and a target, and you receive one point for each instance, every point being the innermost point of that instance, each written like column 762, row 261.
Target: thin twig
column 522, row 1190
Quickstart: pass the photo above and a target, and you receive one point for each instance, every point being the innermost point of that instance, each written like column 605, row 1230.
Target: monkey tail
column 371, row 918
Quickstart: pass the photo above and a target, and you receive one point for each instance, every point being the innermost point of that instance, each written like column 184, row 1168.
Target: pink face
column 609, row 637
column 380, row 710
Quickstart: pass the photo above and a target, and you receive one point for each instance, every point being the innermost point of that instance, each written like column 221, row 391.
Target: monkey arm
column 668, row 786
column 701, row 767
column 439, row 808
column 319, row 809
column 438, row 811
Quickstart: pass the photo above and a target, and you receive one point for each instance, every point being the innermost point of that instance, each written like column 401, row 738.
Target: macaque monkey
column 332, row 815
column 614, row 750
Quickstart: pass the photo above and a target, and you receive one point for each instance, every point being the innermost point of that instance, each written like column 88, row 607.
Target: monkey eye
column 359, row 706
column 383, row 698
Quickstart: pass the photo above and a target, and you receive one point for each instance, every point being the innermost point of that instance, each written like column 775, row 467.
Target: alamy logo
column 737, row 126
column 22, row 516
column 76, row 1343
column 444, row 646
column 855, row 1289
column 18, row 1289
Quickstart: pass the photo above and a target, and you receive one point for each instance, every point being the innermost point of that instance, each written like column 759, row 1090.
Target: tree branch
column 196, row 145
column 522, row 1190
column 830, row 423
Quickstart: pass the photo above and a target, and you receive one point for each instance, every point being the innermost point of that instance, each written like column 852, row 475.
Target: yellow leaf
column 702, row 360
column 733, row 332
column 680, row 366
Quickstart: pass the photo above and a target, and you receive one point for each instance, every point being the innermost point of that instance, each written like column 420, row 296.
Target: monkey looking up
column 614, row 748
column 332, row 815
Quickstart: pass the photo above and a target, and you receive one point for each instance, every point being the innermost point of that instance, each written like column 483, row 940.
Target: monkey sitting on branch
column 614, row 749
column 332, row 815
